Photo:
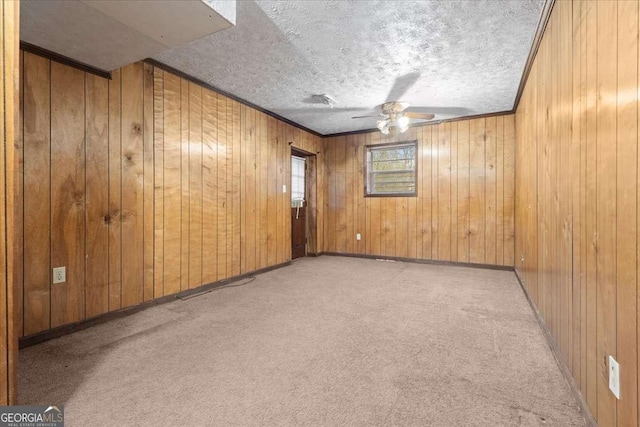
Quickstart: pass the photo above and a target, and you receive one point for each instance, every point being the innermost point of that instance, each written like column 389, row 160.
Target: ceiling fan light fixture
column 403, row 123
column 383, row 126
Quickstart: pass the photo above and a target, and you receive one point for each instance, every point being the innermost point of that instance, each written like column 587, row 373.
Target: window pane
column 391, row 169
column 393, row 165
column 297, row 180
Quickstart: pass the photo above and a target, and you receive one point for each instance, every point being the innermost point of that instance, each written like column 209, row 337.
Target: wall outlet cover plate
column 614, row 377
column 59, row 275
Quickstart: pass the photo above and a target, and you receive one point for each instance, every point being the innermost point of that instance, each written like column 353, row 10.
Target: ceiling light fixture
column 383, row 126
column 403, row 123
column 393, row 114
column 397, row 120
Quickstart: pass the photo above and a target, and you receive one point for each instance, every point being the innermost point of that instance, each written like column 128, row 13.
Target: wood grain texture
column 158, row 183
column 236, row 190
column 148, row 179
column 477, row 190
column 185, row 154
column 195, row 186
column 452, row 170
column 132, row 211
column 67, row 192
column 37, row 187
column 150, row 184
column 172, row 203
column 576, row 196
column 627, row 210
column 209, row 187
column 9, row 183
column 220, row 196
column 19, row 210
column 115, row 191
column 97, row 181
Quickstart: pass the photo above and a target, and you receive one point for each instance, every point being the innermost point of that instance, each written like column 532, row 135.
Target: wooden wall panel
column 209, row 187
column 158, row 183
column 462, row 149
column 490, row 190
column 221, row 189
column 196, row 193
column 507, row 169
column 37, row 165
column 19, row 210
column 132, row 181
column 229, row 197
column 115, row 190
column 426, row 194
column 444, row 179
column 576, row 196
column 148, row 177
column 476, row 190
column 9, row 183
column 626, row 207
column 97, row 181
column 184, row 208
column 67, row 192
column 237, row 178
column 272, row 219
column 152, row 185
column 452, row 170
column 172, row 198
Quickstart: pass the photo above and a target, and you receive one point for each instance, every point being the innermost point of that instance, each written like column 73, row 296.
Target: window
column 391, row 169
column 297, row 181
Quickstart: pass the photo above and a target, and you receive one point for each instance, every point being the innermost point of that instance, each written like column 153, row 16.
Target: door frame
column 311, row 196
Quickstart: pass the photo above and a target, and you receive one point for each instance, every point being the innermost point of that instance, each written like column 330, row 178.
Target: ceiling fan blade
column 453, row 111
column 421, row 116
column 402, row 85
column 364, row 117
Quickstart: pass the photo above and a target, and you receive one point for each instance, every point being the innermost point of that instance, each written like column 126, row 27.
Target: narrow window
column 391, row 169
column 297, row 181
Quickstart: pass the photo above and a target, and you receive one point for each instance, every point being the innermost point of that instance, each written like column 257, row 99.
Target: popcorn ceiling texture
column 468, row 54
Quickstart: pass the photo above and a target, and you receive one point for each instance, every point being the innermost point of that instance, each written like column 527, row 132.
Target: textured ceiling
column 108, row 34
column 457, row 58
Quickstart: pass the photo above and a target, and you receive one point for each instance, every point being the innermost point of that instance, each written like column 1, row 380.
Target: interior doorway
column 303, row 204
column 298, row 207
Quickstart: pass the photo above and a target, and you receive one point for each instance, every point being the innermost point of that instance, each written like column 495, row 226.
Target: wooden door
column 298, row 233
column 298, row 207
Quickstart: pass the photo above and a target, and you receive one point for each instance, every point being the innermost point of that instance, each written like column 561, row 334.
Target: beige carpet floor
column 326, row 341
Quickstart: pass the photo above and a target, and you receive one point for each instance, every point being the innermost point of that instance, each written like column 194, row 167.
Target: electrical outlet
column 614, row 377
column 358, row 236
column 59, row 275
column 284, row 188
column 522, row 257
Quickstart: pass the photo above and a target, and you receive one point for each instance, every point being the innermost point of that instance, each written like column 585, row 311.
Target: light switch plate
column 284, row 188
column 59, row 275
column 614, row 377
column 358, row 237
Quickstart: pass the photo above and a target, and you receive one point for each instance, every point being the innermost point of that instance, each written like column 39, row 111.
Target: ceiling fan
column 394, row 114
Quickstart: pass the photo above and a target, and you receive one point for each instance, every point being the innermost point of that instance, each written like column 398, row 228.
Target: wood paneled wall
column 144, row 186
column 9, row 37
column 464, row 211
column 577, row 196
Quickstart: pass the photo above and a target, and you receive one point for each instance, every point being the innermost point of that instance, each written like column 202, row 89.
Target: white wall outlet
column 59, row 275
column 284, row 188
column 358, row 236
column 614, row 377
